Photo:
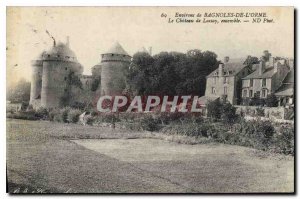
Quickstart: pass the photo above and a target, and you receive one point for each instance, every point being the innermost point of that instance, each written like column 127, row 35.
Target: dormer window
column 112, row 55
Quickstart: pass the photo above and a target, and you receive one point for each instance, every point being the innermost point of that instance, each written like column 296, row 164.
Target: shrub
column 127, row 116
column 60, row 115
column 149, row 123
column 224, row 111
column 107, row 118
column 260, row 112
column 228, row 113
column 52, row 114
column 167, row 117
column 73, row 115
column 190, row 129
column 284, row 140
column 214, row 109
column 271, row 100
column 24, row 115
column 89, row 119
column 42, row 113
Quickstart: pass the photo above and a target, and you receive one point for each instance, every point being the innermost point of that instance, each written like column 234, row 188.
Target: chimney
column 226, row 59
column 271, row 61
column 150, row 50
column 221, row 69
column 276, row 67
column 261, row 67
column 68, row 41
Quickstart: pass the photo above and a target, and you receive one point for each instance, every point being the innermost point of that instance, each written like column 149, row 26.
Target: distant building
column 285, row 93
column 57, row 78
column 266, row 79
column 114, row 64
column 51, row 72
column 226, row 81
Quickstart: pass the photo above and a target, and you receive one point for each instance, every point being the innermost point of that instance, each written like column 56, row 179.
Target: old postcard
column 150, row 100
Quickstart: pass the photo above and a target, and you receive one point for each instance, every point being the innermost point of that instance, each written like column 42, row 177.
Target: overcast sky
column 94, row 30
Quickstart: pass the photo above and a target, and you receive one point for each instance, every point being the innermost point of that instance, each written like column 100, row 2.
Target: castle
column 58, row 80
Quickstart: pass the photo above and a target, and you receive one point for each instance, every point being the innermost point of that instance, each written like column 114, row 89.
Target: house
column 266, row 79
column 285, row 93
column 226, row 81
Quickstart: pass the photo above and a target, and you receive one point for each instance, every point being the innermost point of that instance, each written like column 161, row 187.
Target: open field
column 53, row 157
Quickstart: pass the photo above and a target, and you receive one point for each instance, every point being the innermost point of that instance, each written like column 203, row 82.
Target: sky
column 92, row 30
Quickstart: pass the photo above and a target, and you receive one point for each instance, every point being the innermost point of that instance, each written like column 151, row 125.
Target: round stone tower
column 58, row 63
column 114, row 63
column 36, row 81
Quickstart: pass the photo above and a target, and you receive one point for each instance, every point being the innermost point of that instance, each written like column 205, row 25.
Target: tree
column 271, row 100
column 171, row 73
column 19, row 93
column 228, row 115
column 251, row 60
column 214, row 109
column 222, row 110
column 95, row 84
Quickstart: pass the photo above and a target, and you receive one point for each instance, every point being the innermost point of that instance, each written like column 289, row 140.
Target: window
column 250, row 93
column 225, row 90
column 225, row 80
column 215, row 80
column 213, row 90
column 264, row 82
column 66, row 68
column 251, row 82
column 264, row 93
column 245, row 93
column 112, row 54
column 65, row 78
column 258, row 93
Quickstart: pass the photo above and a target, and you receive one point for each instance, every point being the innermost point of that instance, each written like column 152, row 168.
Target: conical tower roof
column 116, row 49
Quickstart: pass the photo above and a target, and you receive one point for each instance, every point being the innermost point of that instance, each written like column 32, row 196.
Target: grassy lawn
column 52, row 157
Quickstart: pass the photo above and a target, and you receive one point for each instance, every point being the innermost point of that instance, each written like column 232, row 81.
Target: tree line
column 170, row 73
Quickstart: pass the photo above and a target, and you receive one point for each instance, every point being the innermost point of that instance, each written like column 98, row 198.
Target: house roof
column 269, row 72
column 62, row 50
column 285, row 90
column 205, row 99
column 116, row 48
column 289, row 79
column 287, row 87
column 233, row 67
